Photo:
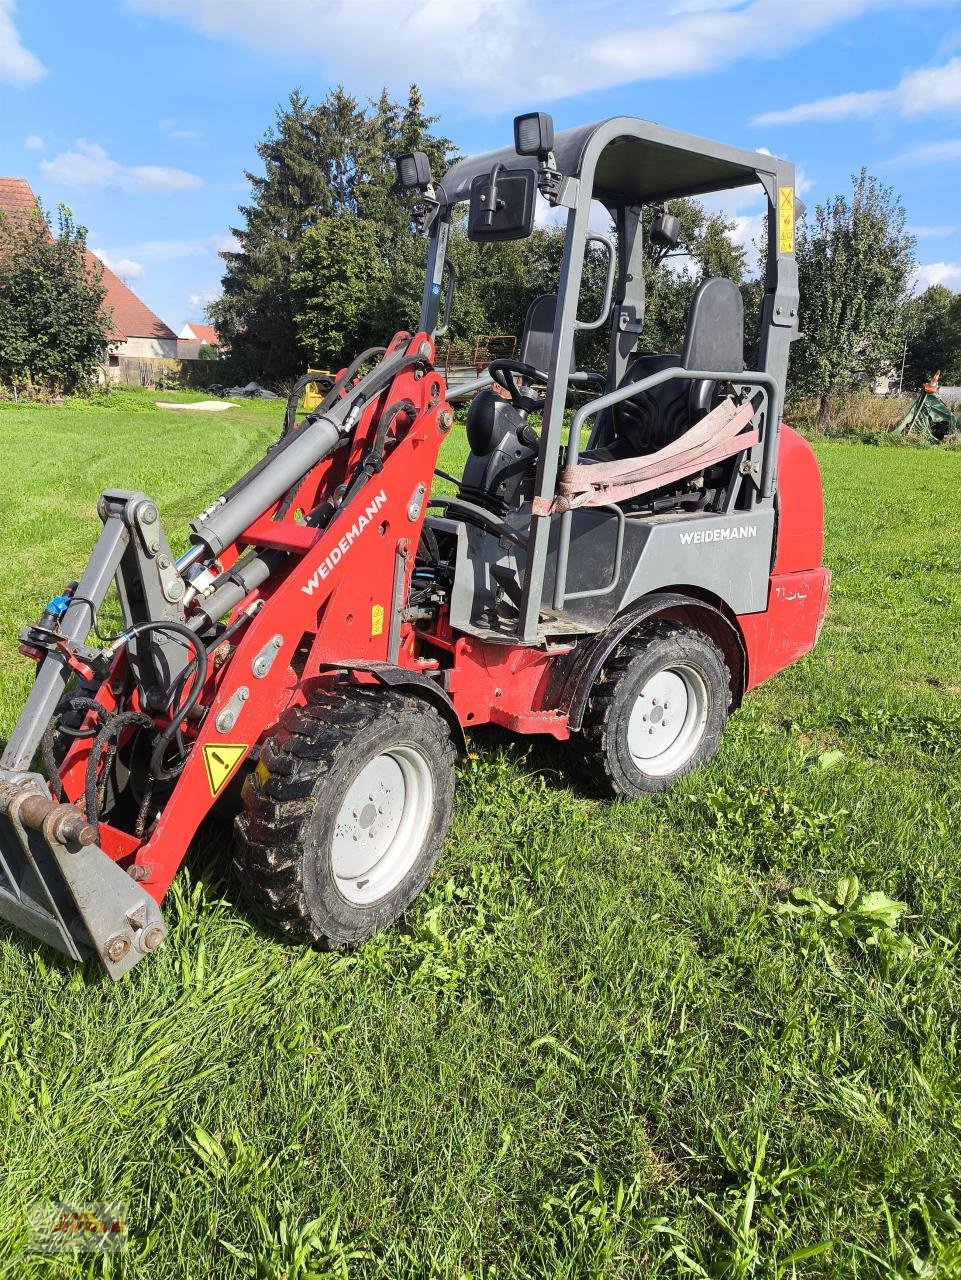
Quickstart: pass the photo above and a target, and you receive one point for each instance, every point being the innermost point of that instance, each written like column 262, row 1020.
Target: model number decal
column 338, row 552
column 733, row 532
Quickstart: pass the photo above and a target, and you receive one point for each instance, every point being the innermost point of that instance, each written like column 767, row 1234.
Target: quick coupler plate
column 58, row 885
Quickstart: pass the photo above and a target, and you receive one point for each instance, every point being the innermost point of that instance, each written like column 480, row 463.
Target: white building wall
column 147, row 348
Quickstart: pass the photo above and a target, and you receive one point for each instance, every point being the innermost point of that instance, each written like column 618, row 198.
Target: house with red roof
column 195, row 335
column 135, row 331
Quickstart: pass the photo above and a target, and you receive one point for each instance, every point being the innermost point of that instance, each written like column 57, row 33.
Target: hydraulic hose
column 164, row 739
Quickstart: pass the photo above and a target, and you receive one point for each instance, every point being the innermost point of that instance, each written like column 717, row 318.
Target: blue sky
column 142, row 115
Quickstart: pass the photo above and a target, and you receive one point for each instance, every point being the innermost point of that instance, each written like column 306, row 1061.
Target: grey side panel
column 727, row 556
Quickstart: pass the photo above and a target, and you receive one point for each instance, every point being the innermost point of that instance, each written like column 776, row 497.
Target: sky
column 142, row 115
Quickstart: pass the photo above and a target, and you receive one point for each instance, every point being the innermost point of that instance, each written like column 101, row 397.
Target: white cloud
column 33, row 142
column 918, row 92
column 931, row 153
column 222, row 242
column 946, row 273
column 90, row 165
column 933, row 233
column 162, row 251
column 200, row 300
column 125, row 268
column 18, row 66
column 513, row 52
column 178, row 130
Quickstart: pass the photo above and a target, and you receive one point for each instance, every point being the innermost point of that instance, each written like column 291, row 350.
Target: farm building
column 193, row 336
column 135, row 331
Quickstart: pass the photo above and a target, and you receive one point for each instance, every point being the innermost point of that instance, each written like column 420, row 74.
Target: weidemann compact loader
column 333, row 628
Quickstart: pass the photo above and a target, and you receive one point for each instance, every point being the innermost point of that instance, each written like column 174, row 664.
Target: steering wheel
column 503, row 372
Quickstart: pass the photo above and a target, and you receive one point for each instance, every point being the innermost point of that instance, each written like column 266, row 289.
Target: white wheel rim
column 668, row 719
column 382, row 824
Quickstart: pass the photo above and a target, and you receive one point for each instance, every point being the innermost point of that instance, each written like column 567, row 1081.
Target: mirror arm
column 493, row 203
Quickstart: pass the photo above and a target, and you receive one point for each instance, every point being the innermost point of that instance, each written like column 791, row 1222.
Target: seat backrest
column 538, row 335
column 713, row 339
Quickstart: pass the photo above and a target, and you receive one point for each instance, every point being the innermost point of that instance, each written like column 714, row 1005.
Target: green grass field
column 599, row 1045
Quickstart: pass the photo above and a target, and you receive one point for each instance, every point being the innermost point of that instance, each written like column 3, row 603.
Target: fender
column 572, row 684
column 414, row 682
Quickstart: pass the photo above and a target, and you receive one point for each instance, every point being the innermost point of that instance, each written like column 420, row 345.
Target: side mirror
column 665, row 230
column 502, row 205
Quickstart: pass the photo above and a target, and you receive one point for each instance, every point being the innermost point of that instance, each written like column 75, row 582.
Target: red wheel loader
column 618, row 579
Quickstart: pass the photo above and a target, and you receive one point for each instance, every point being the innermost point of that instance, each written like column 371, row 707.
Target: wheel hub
column 382, row 824
column 668, row 719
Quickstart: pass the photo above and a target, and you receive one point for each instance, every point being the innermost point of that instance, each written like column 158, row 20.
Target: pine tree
column 321, row 162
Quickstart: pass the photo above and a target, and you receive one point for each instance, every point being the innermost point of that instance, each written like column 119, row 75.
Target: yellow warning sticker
column 785, row 220
column 376, row 619
column 220, row 760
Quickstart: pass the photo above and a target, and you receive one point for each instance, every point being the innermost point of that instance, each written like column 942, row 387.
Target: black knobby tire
column 634, row 668
column 292, row 830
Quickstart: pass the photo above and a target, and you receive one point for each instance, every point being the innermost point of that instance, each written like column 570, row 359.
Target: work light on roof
column 534, row 134
column 413, row 171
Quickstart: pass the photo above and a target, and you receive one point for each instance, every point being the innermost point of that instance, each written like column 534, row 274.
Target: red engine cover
column 798, row 593
column 800, row 525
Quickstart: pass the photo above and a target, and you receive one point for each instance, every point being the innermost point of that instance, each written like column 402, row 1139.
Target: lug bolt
column 151, row 938
column 116, row 948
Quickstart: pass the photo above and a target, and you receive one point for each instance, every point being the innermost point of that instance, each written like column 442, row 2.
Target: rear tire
column 345, row 815
column 657, row 710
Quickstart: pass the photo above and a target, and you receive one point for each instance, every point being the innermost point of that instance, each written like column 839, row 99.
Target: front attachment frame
column 58, row 885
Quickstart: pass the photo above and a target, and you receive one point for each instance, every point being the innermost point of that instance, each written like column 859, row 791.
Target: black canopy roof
column 637, row 162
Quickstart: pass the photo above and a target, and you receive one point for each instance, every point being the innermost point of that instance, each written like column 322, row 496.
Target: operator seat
column 499, row 472
column 713, row 339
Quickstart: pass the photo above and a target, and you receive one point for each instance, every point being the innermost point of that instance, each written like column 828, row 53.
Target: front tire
column 345, row 815
column 657, row 710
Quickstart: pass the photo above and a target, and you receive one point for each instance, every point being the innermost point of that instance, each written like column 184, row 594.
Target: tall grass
column 713, row 1033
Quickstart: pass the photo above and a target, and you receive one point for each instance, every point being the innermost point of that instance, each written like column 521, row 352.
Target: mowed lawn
column 598, row 1046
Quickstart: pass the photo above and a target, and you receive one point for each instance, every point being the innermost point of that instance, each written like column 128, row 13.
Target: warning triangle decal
column 220, row 760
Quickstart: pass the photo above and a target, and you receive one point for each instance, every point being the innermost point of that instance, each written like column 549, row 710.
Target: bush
column 857, row 416
column 53, row 325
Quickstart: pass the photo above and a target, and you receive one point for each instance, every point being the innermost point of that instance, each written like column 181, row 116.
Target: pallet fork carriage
column 333, row 628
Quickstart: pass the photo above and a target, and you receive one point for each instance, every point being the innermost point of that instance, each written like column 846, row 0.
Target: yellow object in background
column 314, row 392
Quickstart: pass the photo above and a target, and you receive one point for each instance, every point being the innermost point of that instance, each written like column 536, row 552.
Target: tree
column 321, row 162
column 705, row 249
column 341, row 279
column 53, row 325
column 934, row 337
column 854, row 261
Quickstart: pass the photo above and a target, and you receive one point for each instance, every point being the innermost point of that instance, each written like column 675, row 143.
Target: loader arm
column 306, row 562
